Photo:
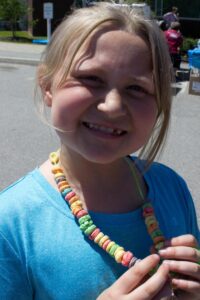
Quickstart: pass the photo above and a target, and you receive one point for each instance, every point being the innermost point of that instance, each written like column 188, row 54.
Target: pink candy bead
column 94, row 234
column 81, row 213
column 127, row 258
column 70, row 195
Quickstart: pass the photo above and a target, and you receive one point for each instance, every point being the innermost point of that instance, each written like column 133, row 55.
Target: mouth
column 110, row 131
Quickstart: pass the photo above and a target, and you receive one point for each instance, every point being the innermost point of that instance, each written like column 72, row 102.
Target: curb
column 21, row 61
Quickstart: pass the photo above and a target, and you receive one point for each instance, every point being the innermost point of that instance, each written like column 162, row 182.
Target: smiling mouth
column 104, row 129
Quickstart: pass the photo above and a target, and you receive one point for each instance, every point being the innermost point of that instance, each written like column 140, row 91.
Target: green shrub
column 188, row 43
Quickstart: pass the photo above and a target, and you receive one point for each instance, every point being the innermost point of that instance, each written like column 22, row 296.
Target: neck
column 81, row 170
column 103, row 186
column 109, row 187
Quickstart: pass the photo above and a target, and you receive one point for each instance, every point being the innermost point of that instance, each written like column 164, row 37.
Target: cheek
column 146, row 111
column 68, row 105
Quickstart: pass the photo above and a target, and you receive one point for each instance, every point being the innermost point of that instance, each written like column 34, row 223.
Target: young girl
column 84, row 224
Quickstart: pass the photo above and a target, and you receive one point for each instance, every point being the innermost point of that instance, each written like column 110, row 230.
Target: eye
column 91, row 80
column 136, row 88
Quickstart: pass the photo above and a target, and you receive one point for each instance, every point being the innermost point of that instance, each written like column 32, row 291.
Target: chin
column 102, row 158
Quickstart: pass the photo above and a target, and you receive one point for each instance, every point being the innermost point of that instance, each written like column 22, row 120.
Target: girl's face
column 107, row 106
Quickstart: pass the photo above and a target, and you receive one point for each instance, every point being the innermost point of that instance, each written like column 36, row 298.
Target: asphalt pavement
column 182, row 151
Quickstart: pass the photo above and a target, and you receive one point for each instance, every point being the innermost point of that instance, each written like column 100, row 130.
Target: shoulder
column 162, row 178
column 21, row 195
column 21, row 186
column 164, row 174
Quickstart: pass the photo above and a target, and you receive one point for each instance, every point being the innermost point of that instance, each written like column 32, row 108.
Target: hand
column 182, row 257
column 135, row 284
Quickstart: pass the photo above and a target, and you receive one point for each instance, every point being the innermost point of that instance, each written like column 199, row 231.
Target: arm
column 14, row 283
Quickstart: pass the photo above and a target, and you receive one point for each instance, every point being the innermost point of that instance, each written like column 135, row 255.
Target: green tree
column 12, row 11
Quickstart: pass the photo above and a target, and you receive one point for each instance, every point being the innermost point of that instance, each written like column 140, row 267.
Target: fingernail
column 162, row 251
column 167, row 262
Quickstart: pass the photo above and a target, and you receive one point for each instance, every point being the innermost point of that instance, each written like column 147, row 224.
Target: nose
column 112, row 104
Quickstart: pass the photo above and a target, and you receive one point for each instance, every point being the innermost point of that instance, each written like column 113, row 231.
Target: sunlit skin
column 107, row 106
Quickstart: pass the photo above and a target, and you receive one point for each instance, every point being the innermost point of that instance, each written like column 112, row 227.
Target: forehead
column 117, row 48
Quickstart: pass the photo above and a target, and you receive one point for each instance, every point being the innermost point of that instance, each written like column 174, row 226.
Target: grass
column 21, row 36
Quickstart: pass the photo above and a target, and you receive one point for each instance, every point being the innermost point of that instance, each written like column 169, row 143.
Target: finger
column 190, row 286
column 187, row 240
column 130, row 279
column 182, row 240
column 190, row 269
column 180, row 253
column 183, row 295
column 152, row 286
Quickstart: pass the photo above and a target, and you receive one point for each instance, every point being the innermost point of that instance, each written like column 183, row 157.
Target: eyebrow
column 102, row 71
column 141, row 79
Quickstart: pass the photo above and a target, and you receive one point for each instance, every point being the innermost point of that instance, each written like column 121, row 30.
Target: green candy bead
column 147, row 205
column 156, row 233
column 90, row 229
column 85, row 225
column 113, row 249
column 159, row 246
column 84, row 219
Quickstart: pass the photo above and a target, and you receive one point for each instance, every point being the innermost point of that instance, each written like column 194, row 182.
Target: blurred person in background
column 174, row 39
column 172, row 16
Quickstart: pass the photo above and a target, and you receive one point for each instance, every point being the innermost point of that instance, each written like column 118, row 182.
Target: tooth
column 104, row 129
column 118, row 131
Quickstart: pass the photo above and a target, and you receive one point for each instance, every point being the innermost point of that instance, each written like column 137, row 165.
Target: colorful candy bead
column 127, row 258
column 94, row 234
column 102, row 240
column 98, row 237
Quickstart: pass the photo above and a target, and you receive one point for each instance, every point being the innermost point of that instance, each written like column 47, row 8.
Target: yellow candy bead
column 73, row 199
column 56, row 170
column 62, row 183
column 54, row 158
column 104, row 238
column 119, row 255
column 76, row 203
column 109, row 246
column 58, row 175
column 75, row 209
column 98, row 237
column 119, row 248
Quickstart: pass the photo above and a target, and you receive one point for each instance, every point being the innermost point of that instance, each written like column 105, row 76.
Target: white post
column 48, row 29
column 48, row 15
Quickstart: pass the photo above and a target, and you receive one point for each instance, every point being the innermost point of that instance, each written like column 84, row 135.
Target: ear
column 44, row 86
column 47, row 98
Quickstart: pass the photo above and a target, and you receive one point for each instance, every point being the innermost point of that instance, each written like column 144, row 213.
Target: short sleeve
column 14, row 283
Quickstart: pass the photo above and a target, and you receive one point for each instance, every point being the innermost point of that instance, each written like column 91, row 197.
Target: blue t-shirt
column 44, row 255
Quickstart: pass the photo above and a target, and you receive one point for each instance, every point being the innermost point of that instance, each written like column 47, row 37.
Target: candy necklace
column 126, row 258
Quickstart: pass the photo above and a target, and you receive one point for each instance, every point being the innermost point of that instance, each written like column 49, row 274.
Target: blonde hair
column 78, row 28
